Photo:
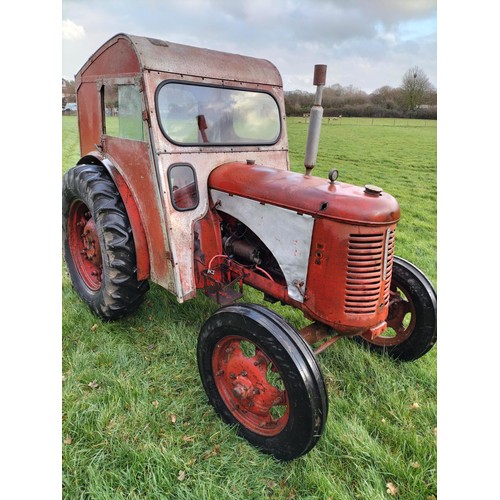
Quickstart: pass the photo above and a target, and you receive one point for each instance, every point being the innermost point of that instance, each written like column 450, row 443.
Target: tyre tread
column 121, row 293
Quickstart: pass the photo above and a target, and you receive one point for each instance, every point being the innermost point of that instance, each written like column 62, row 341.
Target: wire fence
column 381, row 122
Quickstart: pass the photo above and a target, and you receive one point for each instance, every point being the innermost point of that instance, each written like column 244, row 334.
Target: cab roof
column 129, row 54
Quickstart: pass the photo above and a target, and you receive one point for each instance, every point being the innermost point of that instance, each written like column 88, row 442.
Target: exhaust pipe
column 315, row 119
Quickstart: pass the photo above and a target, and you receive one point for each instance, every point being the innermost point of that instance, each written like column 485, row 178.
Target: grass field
column 136, row 421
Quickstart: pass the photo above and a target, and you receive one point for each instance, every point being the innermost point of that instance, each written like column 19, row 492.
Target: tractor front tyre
column 98, row 244
column 412, row 318
column 261, row 376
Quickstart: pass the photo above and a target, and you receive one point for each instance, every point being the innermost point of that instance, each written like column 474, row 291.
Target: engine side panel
column 287, row 234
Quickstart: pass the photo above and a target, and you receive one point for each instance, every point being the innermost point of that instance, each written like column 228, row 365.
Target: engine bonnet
column 305, row 194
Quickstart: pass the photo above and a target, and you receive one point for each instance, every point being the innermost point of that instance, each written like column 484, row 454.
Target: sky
column 365, row 43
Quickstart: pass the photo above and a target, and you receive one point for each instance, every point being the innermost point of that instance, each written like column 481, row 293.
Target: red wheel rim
column 400, row 320
column 84, row 245
column 250, row 385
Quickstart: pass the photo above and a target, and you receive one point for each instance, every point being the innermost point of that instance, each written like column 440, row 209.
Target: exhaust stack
column 316, row 117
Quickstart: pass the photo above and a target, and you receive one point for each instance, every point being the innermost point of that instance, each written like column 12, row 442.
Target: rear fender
column 140, row 241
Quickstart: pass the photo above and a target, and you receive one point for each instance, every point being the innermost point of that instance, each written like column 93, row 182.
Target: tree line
column 416, row 97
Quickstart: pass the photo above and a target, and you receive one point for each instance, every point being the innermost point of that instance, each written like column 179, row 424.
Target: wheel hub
column 90, row 243
column 244, row 384
column 84, row 245
column 243, row 389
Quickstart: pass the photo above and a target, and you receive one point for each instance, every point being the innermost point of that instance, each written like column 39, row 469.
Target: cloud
column 71, row 31
column 366, row 43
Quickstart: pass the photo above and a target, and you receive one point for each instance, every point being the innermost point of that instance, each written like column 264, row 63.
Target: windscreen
column 207, row 115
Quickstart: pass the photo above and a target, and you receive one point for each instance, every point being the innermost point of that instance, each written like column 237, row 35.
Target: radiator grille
column 389, row 255
column 369, row 268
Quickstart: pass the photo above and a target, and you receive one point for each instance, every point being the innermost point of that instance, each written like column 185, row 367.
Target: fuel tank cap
column 373, row 190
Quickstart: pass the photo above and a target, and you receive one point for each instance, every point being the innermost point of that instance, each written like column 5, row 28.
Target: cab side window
column 123, row 111
column 183, row 187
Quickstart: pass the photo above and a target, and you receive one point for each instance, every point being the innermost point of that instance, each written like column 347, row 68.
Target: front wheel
column 260, row 375
column 412, row 318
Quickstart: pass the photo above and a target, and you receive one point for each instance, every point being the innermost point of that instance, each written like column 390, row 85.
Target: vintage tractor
column 185, row 181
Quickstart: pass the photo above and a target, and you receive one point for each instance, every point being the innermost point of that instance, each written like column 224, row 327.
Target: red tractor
column 185, row 181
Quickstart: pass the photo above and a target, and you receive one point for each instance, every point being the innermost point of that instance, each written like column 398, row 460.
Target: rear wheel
column 98, row 244
column 412, row 318
column 260, row 375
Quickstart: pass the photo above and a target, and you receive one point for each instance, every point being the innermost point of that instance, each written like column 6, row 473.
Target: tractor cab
column 160, row 117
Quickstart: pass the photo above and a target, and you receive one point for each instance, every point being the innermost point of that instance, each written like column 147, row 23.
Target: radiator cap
column 373, row 190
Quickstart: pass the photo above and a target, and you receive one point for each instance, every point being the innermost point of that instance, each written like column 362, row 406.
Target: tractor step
column 224, row 296
column 222, row 292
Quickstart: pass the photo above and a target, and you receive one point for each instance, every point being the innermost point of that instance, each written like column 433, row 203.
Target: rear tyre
column 262, row 377
column 412, row 319
column 98, row 243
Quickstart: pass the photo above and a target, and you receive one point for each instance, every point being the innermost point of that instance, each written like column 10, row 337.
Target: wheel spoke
column 399, row 329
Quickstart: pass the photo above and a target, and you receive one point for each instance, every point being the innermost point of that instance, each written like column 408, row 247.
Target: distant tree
column 298, row 102
column 432, row 98
column 69, row 91
column 386, row 101
column 415, row 89
column 384, row 97
column 336, row 96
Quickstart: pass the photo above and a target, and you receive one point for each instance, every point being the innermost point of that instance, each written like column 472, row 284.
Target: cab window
column 123, row 112
column 183, row 187
column 206, row 115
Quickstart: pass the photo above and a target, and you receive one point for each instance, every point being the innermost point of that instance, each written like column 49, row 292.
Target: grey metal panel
column 287, row 234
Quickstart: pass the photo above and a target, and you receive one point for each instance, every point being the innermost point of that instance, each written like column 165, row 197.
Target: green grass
column 144, row 429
